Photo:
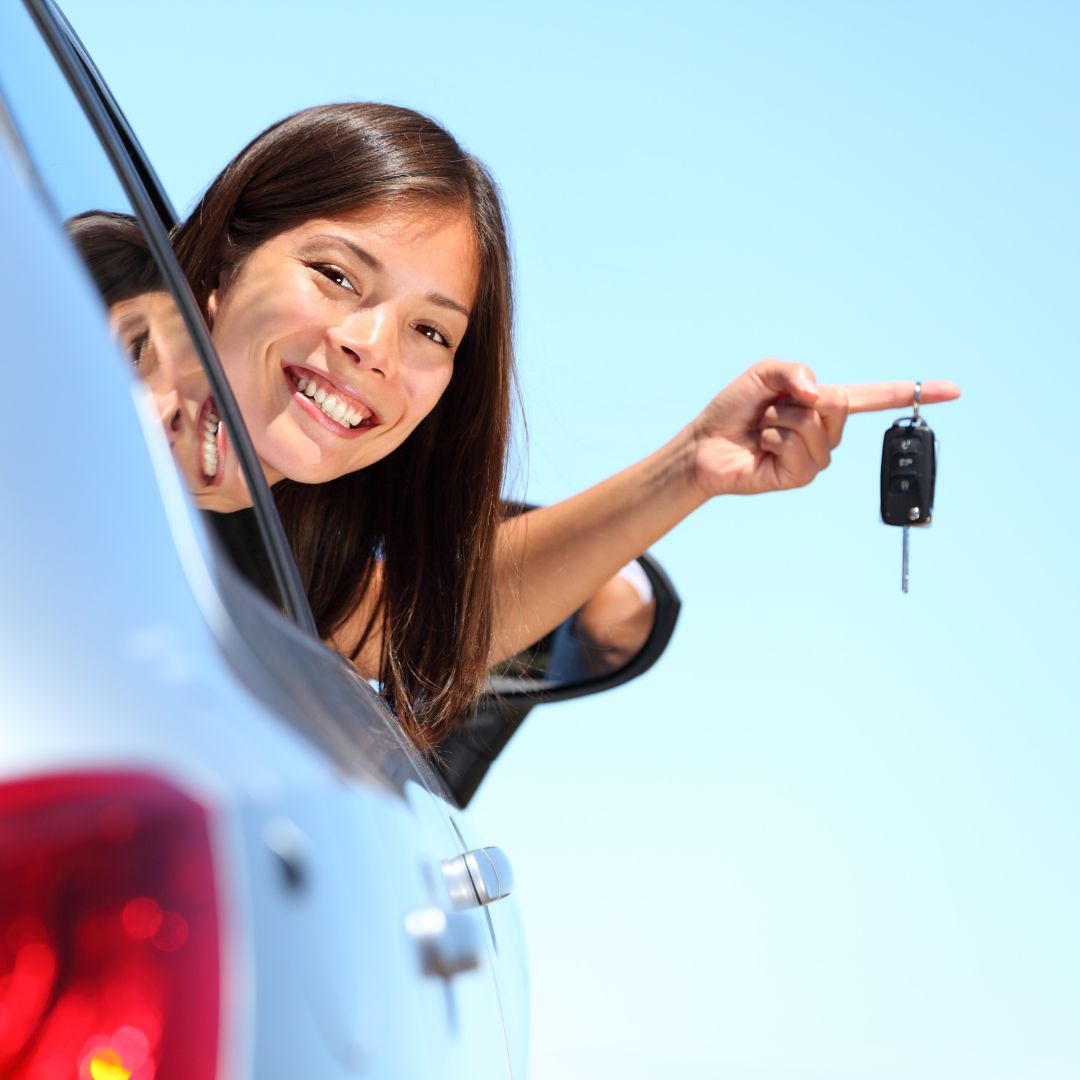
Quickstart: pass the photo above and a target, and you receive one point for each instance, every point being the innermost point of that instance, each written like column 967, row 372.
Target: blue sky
column 833, row 833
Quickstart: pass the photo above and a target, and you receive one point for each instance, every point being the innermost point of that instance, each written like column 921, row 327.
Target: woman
column 354, row 267
column 394, row 539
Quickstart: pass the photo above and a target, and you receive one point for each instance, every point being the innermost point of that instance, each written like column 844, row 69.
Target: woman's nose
column 172, row 416
column 370, row 339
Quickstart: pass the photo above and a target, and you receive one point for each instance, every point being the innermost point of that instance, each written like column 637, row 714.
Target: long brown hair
column 115, row 252
column 426, row 516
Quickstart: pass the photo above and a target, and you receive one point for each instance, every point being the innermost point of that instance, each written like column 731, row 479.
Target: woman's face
column 152, row 332
column 338, row 336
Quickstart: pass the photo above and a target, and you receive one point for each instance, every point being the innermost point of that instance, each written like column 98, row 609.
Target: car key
column 908, row 472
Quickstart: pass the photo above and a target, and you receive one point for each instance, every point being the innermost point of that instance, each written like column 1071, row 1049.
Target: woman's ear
column 212, row 302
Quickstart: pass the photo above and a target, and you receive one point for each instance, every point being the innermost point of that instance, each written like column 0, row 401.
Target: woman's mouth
column 211, row 445
column 329, row 403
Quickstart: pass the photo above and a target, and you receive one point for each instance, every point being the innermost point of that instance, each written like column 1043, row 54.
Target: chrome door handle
column 478, row 878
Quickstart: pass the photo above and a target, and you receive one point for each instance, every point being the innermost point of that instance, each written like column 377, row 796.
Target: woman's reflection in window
column 146, row 321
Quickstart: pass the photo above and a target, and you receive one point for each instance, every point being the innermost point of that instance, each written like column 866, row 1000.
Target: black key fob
column 908, row 470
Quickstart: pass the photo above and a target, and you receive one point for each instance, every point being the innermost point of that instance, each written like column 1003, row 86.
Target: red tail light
column 109, row 951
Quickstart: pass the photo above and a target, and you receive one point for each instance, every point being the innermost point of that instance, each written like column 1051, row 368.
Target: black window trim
column 153, row 211
column 163, row 206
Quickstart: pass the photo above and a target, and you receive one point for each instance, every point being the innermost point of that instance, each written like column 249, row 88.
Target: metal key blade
column 904, row 559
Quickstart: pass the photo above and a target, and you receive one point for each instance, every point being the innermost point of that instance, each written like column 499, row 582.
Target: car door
column 347, row 954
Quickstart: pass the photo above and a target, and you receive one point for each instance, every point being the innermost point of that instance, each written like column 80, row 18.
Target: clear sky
column 833, row 834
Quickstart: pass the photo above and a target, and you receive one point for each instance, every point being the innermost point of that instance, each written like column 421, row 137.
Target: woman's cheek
column 298, row 327
column 433, row 392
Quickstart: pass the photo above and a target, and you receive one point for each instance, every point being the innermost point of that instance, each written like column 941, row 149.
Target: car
column 221, row 855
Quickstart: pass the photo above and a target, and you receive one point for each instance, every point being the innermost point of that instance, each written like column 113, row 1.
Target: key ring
column 914, row 420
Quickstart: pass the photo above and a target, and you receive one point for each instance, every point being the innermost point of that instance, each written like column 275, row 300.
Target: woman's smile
column 339, row 336
column 337, row 407
column 153, row 333
column 210, row 445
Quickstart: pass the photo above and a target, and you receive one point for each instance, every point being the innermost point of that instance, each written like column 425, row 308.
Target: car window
column 80, row 184
column 282, row 661
column 62, row 147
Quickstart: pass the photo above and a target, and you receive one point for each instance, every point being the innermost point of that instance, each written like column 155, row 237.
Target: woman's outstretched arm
column 771, row 429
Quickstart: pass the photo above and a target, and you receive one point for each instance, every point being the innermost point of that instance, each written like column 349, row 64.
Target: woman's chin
column 229, row 494
column 303, row 470
column 223, row 502
column 308, row 463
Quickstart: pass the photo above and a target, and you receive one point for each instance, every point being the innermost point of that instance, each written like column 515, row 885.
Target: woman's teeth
column 330, row 403
column 209, row 445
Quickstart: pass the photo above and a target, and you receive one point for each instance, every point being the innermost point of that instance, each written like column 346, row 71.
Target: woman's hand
column 774, row 428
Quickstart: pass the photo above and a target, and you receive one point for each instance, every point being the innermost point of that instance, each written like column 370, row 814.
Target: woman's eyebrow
column 364, row 256
column 446, row 302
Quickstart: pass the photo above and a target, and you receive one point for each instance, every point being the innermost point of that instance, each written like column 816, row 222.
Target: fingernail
column 806, row 384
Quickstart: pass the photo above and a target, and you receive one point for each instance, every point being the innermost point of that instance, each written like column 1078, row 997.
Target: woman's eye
column 137, row 346
column 435, row 334
column 332, row 273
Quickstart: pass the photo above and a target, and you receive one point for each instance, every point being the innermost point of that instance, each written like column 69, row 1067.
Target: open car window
column 109, row 219
column 84, row 168
column 95, row 180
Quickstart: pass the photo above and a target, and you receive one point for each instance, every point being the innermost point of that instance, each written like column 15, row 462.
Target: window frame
column 155, row 215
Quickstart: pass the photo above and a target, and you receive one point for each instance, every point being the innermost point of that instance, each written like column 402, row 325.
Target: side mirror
column 617, row 636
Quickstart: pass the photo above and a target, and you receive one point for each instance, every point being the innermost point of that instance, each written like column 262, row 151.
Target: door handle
column 478, row 878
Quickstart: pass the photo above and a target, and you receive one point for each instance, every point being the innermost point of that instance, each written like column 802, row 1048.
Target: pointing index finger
column 876, row 397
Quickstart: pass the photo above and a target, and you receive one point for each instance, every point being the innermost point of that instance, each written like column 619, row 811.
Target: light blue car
column 220, row 856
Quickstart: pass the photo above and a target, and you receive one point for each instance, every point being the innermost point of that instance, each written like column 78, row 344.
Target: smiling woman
column 357, row 249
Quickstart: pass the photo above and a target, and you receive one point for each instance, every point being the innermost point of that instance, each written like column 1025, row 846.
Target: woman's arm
column 771, row 429
column 614, row 624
